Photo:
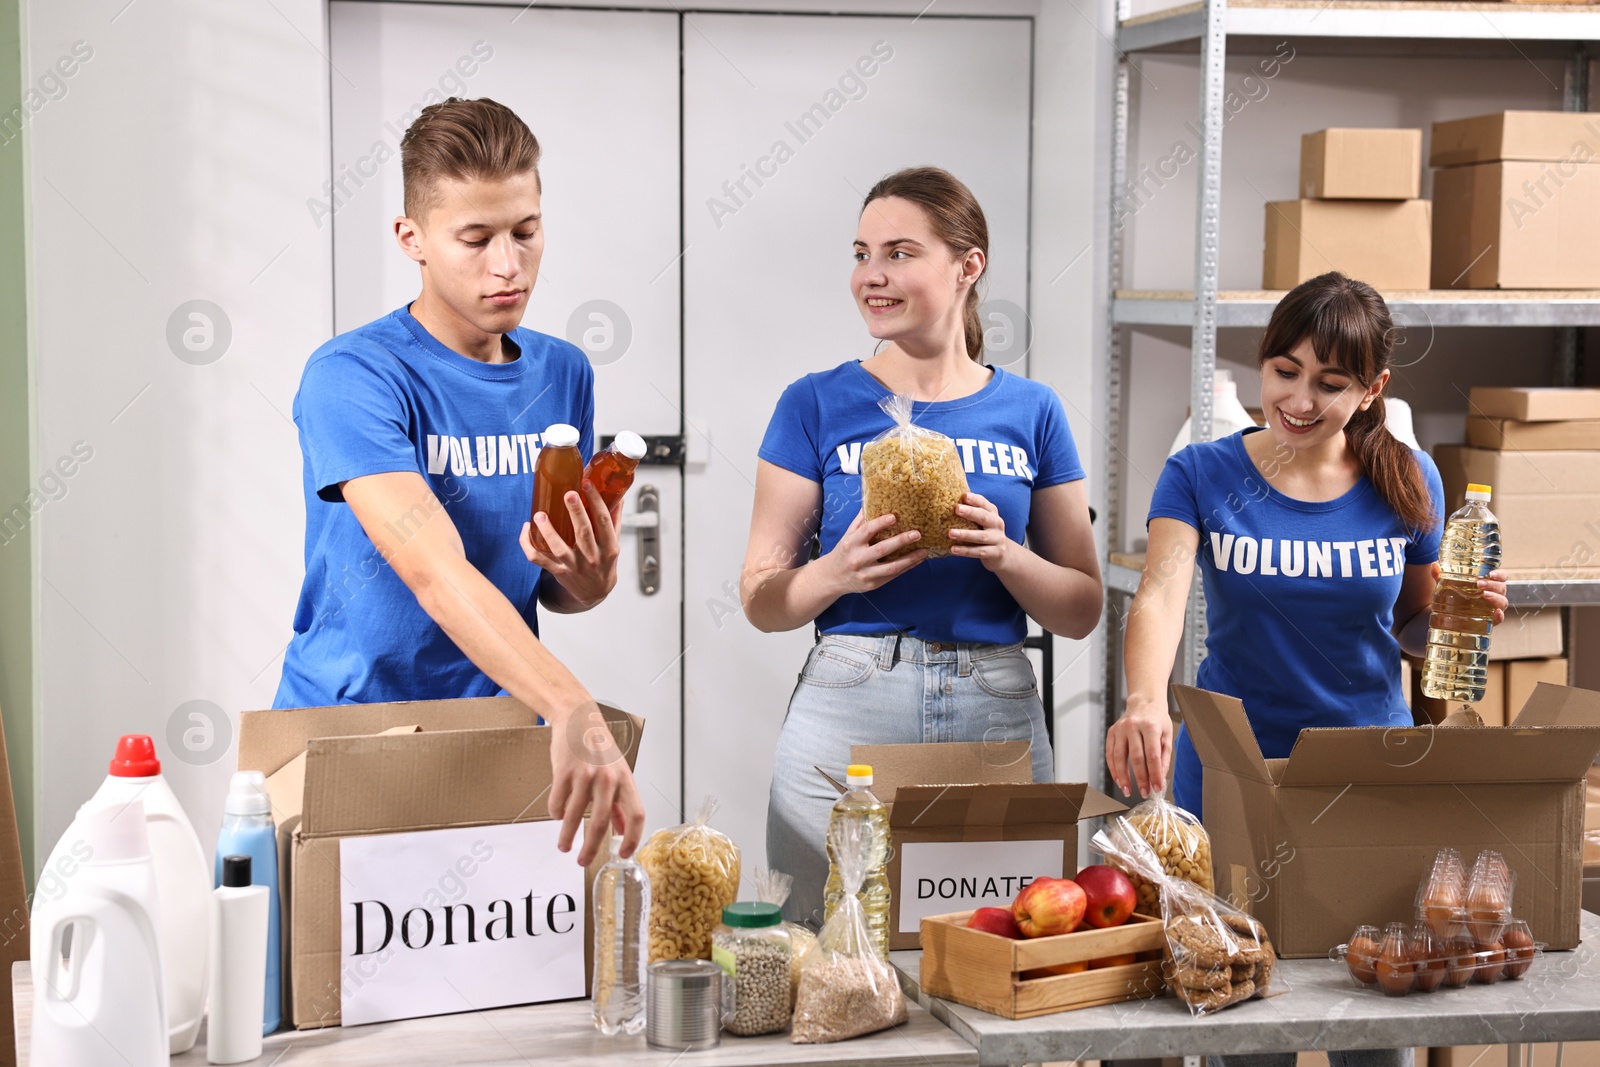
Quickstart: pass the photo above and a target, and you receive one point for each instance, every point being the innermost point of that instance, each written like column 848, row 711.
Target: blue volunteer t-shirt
column 390, row 397
column 1299, row 598
column 1013, row 438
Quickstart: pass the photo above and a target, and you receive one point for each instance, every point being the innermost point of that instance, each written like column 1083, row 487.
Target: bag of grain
column 914, row 474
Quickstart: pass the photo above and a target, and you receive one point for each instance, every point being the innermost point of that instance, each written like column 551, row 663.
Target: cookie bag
column 846, row 990
column 694, row 874
column 773, row 887
column 1179, row 841
column 1217, row 955
column 914, row 474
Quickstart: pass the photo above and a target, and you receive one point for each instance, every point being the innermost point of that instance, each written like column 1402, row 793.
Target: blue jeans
column 885, row 691
column 1363, row 1057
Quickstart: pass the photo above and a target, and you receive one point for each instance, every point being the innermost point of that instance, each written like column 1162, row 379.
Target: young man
column 419, row 433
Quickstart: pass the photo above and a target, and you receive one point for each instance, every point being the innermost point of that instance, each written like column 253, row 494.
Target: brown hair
column 1349, row 325
column 956, row 218
column 463, row 139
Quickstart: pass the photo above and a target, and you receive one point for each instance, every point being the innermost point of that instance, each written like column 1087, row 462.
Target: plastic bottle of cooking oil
column 861, row 806
column 1457, row 665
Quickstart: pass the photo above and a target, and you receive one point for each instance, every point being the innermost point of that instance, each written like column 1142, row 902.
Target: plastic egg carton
column 1409, row 958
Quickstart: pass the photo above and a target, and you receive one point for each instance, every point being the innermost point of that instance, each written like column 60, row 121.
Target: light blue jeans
column 885, row 691
column 1362, row 1057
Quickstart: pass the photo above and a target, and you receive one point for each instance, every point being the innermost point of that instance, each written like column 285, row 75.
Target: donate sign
column 939, row 877
column 441, row 921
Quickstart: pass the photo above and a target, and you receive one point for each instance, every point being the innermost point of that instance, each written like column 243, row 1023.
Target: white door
column 766, row 293
column 599, row 89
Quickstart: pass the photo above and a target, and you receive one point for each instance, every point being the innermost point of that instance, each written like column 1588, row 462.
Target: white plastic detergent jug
column 97, row 976
column 182, row 878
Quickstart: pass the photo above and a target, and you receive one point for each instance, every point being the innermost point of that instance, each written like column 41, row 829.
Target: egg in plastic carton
column 1411, row 958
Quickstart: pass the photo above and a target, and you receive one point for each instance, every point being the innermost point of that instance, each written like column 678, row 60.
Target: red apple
column 1049, row 906
column 1109, row 894
column 994, row 921
column 1059, row 968
column 1114, row 961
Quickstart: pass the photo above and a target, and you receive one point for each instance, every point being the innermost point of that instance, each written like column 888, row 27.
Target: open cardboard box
column 968, row 816
column 364, row 769
column 1360, row 813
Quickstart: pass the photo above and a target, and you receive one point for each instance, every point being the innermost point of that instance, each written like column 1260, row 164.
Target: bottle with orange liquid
column 558, row 471
column 611, row 471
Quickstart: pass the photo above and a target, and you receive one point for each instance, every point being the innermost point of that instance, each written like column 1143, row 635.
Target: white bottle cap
column 559, row 435
column 1478, row 492
column 247, row 794
column 115, row 832
column 858, row 774
column 629, row 444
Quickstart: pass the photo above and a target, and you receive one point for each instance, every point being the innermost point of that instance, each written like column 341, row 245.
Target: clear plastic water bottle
column 861, row 806
column 1457, row 663
column 621, row 944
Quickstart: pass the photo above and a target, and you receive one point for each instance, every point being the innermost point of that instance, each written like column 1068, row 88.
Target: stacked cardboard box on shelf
column 1358, row 212
column 1517, row 201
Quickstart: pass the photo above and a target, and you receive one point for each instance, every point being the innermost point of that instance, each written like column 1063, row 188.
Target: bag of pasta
column 846, row 989
column 914, row 474
column 773, row 887
column 1216, row 955
column 694, row 874
column 1179, row 841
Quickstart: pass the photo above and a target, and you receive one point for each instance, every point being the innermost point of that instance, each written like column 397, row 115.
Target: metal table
column 1558, row 1000
column 550, row 1035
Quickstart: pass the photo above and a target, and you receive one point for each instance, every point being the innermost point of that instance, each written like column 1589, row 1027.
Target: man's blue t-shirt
column 390, row 397
column 1299, row 598
column 1013, row 438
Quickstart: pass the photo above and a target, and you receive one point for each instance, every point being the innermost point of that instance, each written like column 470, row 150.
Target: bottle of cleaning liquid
column 1228, row 415
column 621, row 944
column 1457, row 663
column 238, row 964
column 247, row 830
column 183, row 882
column 861, row 806
column 98, row 995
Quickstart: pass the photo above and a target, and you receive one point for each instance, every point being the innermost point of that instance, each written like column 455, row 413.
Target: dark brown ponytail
column 1349, row 326
column 956, row 218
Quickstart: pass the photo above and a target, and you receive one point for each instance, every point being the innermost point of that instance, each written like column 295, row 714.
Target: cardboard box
column 1522, row 676
column 1339, row 833
column 1528, row 634
column 1533, row 436
column 1517, row 225
column 1540, row 136
column 1385, row 243
column 477, row 762
column 1361, row 164
column 1548, row 504
column 1591, row 809
column 953, row 811
column 1546, row 404
column 1573, row 1054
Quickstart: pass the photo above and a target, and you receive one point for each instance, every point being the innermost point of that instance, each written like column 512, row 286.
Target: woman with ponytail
column 1317, row 540
column 912, row 649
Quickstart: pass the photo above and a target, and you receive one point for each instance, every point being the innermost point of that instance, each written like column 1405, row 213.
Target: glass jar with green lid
column 753, row 947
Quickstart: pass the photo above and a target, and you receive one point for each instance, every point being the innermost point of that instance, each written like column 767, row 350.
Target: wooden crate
column 984, row 970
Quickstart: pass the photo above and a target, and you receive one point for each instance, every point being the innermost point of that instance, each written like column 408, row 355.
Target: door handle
column 646, row 521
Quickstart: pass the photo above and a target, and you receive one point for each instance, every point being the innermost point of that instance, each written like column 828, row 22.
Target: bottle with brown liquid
column 558, row 471
column 611, row 471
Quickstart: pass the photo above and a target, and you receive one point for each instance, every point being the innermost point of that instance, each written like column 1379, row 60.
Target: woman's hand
column 1142, row 737
column 988, row 542
column 1493, row 589
column 858, row 565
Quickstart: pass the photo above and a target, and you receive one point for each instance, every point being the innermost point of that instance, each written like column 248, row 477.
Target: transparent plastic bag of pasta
column 773, row 887
column 1216, row 955
column 914, row 474
column 845, row 989
column 1179, row 841
column 694, row 874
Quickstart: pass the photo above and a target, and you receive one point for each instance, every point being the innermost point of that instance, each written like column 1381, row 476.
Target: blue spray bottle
column 247, row 830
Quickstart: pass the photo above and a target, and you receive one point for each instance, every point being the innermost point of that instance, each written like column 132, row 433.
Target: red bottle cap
column 135, row 757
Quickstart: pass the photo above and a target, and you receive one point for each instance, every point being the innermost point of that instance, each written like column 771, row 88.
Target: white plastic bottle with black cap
column 98, row 995
column 238, row 965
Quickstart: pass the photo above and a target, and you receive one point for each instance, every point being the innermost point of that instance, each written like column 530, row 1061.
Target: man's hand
column 589, row 769
column 587, row 569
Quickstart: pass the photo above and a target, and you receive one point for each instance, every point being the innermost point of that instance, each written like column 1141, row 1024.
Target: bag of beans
column 846, row 989
column 1179, row 842
column 914, row 474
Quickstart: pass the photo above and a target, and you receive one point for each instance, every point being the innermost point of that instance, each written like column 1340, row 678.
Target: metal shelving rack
column 1329, row 27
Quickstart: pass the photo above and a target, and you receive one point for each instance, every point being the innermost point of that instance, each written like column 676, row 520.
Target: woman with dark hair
column 1317, row 539
column 912, row 649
